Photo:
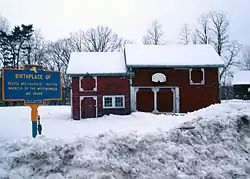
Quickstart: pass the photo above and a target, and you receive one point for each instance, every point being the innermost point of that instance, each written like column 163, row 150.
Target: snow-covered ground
column 217, row 147
column 56, row 123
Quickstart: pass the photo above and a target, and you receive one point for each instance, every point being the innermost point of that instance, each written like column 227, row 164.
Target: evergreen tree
column 14, row 45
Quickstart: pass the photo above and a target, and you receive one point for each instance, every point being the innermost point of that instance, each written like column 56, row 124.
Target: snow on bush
column 214, row 145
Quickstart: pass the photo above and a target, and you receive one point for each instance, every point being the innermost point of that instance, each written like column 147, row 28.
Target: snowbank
column 216, row 148
column 56, row 123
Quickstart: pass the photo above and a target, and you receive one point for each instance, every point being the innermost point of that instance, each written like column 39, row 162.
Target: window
column 114, row 101
column 118, row 101
column 196, row 76
column 108, row 102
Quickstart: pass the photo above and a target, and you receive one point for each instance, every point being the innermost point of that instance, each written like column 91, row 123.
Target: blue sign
column 31, row 84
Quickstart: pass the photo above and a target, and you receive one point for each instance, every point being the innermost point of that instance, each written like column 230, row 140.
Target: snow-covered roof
column 96, row 63
column 172, row 55
column 241, row 78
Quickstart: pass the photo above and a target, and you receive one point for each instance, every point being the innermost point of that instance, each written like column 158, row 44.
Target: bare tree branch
column 220, row 26
column 185, row 36
column 194, row 37
column 60, row 52
column 154, row 35
column 77, row 41
column 36, row 46
column 101, row 39
column 233, row 50
column 203, row 32
column 213, row 30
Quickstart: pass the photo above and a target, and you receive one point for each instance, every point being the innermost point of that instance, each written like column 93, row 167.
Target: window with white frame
column 114, row 101
column 196, row 76
column 107, row 102
column 119, row 101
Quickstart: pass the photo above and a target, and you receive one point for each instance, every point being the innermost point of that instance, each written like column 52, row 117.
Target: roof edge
column 175, row 66
column 240, row 84
column 101, row 74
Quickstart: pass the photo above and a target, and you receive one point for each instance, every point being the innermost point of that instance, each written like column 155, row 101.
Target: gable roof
column 82, row 63
column 241, row 78
column 172, row 56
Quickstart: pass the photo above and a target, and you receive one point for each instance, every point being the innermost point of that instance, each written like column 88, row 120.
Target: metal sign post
column 33, row 85
column 34, row 118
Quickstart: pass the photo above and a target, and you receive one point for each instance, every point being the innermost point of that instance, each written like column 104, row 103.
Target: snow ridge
column 214, row 146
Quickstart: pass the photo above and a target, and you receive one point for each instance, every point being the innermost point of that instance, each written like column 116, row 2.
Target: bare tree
column 57, row 56
column 222, row 44
column 154, row 35
column 213, row 30
column 4, row 24
column 194, row 37
column 59, row 53
column 232, row 51
column 36, row 49
column 101, row 39
column 4, row 27
column 203, row 32
column 185, row 36
column 245, row 61
column 220, row 27
column 77, row 41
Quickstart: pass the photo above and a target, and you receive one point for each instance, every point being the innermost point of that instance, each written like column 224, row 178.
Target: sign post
column 34, row 118
column 33, row 85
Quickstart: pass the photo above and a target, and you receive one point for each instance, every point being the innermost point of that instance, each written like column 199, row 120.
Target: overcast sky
column 129, row 18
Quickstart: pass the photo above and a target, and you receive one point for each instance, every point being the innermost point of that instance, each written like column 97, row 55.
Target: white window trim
column 81, row 87
column 190, row 77
column 113, row 101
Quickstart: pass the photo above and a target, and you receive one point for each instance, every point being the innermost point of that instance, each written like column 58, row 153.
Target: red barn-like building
column 100, row 84
column 147, row 78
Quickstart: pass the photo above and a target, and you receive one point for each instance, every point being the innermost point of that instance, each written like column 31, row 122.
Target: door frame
column 81, row 98
column 155, row 89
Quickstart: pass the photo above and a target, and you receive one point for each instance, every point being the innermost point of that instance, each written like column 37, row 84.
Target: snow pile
column 214, row 145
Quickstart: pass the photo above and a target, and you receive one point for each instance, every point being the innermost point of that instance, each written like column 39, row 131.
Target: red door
column 88, row 107
column 165, row 99
column 145, row 100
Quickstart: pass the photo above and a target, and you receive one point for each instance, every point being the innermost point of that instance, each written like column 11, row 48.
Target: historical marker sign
column 31, row 84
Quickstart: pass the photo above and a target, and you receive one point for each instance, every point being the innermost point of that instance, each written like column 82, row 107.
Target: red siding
column 192, row 97
column 75, row 98
column 105, row 86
